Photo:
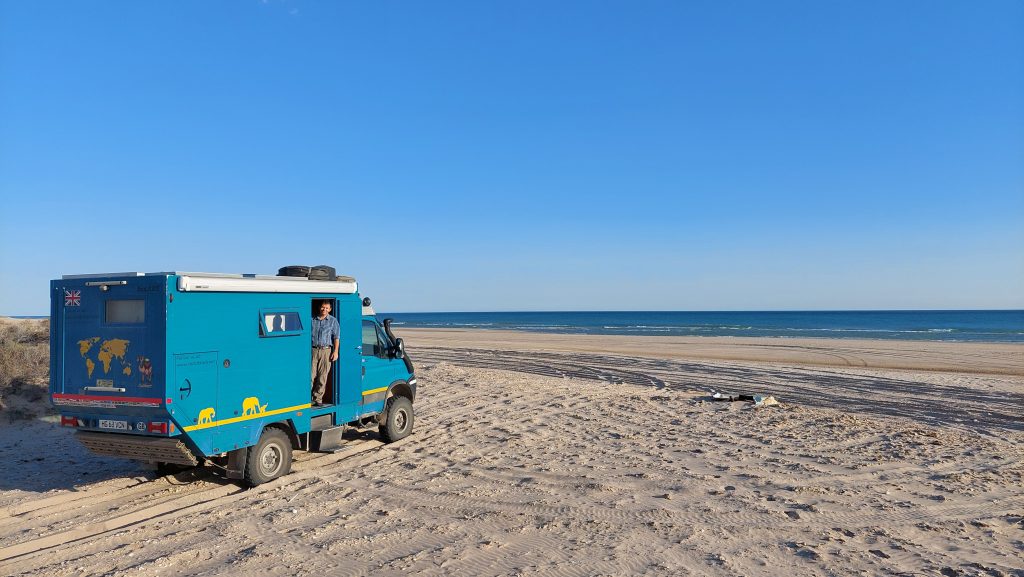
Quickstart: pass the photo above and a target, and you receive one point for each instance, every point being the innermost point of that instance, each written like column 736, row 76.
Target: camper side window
column 279, row 323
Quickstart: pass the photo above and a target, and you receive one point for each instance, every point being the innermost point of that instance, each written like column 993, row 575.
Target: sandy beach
column 994, row 358
column 558, row 455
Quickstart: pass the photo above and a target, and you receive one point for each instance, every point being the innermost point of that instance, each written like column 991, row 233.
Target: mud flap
column 327, row 440
column 236, row 463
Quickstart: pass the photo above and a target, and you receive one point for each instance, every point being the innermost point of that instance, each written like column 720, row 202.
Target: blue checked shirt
column 325, row 331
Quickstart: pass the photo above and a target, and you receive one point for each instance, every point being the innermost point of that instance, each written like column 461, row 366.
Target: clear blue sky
column 523, row 155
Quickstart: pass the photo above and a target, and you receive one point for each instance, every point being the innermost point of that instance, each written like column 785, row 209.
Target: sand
column 554, row 455
column 989, row 358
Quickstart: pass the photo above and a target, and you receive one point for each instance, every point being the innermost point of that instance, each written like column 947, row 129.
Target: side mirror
column 399, row 349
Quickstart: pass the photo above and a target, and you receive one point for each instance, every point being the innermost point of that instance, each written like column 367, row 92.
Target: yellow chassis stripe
column 373, row 391
column 246, row 418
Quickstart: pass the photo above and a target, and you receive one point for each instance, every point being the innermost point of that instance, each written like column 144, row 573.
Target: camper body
column 181, row 367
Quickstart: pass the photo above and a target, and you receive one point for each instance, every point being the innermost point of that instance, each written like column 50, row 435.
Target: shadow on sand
column 42, row 456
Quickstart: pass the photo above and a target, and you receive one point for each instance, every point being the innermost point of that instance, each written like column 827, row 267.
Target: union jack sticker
column 72, row 298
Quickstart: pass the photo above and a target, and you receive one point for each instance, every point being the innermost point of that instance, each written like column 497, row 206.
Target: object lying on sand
column 758, row 400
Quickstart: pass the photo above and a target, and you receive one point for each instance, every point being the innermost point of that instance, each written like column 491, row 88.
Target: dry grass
column 24, row 367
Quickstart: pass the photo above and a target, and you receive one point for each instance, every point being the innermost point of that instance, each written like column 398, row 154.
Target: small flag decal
column 72, row 298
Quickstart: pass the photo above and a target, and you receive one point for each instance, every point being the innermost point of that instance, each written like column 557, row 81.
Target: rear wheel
column 270, row 458
column 398, row 420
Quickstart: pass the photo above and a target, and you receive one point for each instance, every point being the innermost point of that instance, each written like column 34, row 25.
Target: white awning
column 190, row 283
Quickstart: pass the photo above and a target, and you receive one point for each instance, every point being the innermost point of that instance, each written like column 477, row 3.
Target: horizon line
column 549, row 311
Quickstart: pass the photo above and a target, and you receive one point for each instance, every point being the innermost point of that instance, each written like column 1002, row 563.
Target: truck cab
column 181, row 368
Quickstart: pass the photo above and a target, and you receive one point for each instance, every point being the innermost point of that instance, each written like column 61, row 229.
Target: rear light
column 158, row 427
column 68, row 421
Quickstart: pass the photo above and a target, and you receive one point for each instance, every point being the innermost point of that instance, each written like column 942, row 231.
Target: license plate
column 120, row 425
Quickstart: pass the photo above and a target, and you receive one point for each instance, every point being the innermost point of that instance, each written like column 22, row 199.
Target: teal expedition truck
column 176, row 368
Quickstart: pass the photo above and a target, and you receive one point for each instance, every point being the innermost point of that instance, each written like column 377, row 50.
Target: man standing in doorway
column 325, row 350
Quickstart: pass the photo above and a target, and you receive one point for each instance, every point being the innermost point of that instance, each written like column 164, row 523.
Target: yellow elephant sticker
column 252, row 406
column 206, row 416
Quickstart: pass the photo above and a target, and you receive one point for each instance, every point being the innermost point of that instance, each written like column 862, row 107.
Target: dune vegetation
column 24, row 367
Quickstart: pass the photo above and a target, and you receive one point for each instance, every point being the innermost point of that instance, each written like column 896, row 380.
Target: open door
column 331, row 392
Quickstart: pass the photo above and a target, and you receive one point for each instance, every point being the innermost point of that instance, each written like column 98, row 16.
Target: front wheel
column 268, row 459
column 397, row 420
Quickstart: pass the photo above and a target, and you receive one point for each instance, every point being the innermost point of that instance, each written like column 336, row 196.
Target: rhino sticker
column 252, row 406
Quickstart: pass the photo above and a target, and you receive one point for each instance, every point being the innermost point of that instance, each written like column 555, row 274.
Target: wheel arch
column 401, row 388
column 289, row 429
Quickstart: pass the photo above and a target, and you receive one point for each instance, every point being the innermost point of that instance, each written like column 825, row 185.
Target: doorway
column 331, row 388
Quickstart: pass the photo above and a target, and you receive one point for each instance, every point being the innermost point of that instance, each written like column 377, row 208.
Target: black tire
column 270, row 458
column 294, row 270
column 322, row 272
column 398, row 420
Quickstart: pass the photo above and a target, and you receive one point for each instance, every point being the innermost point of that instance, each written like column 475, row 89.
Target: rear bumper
column 102, row 401
column 153, row 449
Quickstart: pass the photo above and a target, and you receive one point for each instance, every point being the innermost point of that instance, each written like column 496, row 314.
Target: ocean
column 974, row 326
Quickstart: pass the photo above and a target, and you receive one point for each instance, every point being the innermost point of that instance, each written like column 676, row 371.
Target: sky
column 529, row 155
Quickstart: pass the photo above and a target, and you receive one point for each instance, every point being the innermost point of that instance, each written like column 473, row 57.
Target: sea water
column 980, row 326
